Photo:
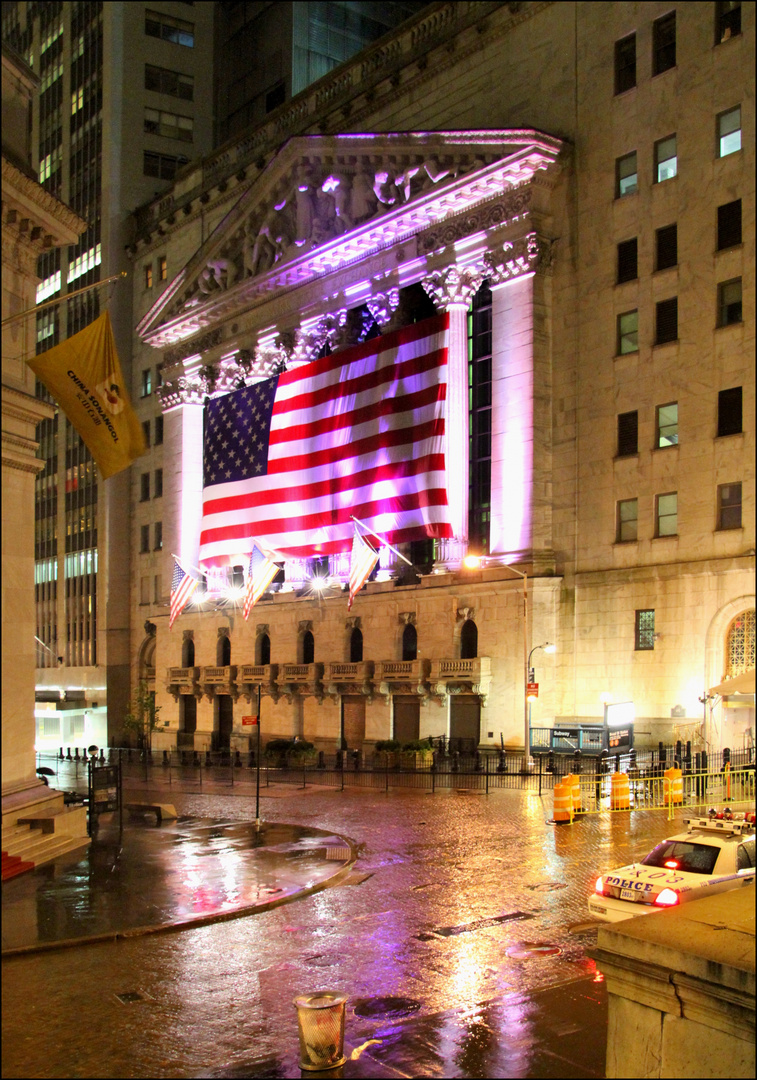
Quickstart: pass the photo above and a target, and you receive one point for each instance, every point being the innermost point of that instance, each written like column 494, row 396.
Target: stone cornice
column 43, row 211
column 24, row 407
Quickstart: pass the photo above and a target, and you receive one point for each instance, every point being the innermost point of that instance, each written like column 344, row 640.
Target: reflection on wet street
column 451, row 937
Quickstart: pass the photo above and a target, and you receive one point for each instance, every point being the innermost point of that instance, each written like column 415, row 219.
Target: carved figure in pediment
column 217, row 274
column 385, row 188
column 363, row 199
column 304, row 205
column 338, row 186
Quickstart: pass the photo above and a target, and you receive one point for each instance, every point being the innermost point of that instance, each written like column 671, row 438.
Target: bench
column 161, row 810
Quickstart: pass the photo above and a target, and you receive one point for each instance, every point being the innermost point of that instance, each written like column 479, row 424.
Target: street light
column 548, row 648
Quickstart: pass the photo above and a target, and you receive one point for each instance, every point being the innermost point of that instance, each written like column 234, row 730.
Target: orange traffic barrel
column 574, row 782
column 673, row 786
column 620, row 795
column 563, row 809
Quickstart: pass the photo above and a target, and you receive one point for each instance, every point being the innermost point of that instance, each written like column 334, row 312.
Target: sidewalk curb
column 195, row 921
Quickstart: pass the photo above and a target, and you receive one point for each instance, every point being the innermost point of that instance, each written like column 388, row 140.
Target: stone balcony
column 305, row 679
column 403, row 677
column 252, row 676
column 219, row 680
column 182, row 680
column 461, row 677
column 349, row 679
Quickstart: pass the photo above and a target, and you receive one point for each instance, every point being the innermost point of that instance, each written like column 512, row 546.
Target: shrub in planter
column 387, row 753
column 283, row 752
column 417, row 754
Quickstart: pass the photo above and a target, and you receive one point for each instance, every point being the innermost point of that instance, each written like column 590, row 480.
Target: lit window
column 740, row 647
column 729, row 302
column 667, row 425
column 626, row 175
column 628, row 332
column 729, row 506
column 147, row 382
column 727, row 20
column 162, row 268
column 148, row 276
column 667, row 514
column 644, row 629
column 729, row 132
column 665, row 159
column 627, row 524
column 169, row 29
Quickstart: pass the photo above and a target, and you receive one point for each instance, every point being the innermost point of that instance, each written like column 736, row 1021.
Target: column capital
column 382, row 306
column 516, row 258
column 454, row 286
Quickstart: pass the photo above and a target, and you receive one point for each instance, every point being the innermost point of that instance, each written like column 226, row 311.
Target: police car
column 716, row 854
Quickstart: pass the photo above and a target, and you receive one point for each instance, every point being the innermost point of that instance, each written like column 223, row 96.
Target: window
column 162, row 268
column 144, row 590
column 169, row 29
column 409, row 643
column 157, row 588
column 627, row 260
column 147, row 382
column 729, row 411
column 666, row 247
column 664, row 43
column 308, row 648
column 666, row 321
column 158, row 431
column 665, row 159
column 275, row 96
column 729, row 132
column 145, row 487
column 469, row 641
column 146, row 431
column 628, row 433
column 729, row 302
column 667, row 425
column 170, row 125
column 163, row 166
column 740, row 644
column 144, row 539
column 356, row 646
column 728, row 20
column 644, row 629
column 729, row 506
column 729, row 224
column 169, row 82
column 666, row 517
column 264, row 649
column 158, row 484
column 626, row 175
column 158, row 530
column 628, row 515
column 625, row 63
column 628, row 332
column 148, row 276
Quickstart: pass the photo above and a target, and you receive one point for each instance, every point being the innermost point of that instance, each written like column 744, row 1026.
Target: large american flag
column 288, row 461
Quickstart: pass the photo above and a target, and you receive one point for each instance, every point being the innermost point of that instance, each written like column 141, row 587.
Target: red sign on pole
column 249, row 721
column 532, row 690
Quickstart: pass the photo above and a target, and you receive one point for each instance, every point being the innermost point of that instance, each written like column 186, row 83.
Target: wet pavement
column 453, row 936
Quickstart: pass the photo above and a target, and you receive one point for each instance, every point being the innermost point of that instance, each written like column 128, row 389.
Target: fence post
column 486, row 767
column 386, row 770
column 341, row 762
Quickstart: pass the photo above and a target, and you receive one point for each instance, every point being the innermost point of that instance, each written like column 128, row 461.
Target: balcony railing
column 356, row 678
column 473, row 675
column 182, row 680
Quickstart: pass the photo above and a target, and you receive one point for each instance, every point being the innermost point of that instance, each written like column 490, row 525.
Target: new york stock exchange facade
column 325, row 242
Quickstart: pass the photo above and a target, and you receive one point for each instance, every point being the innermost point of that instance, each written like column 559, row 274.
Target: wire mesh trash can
column 320, row 1022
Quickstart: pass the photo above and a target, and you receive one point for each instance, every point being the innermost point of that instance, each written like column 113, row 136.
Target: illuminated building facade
column 535, row 171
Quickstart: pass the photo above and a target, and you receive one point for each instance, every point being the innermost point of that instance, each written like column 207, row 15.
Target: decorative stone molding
column 461, row 676
column 453, row 286
column 252, row 676
column 304, row 625
column 466, row 613
column 219, row 680
column 302, row 679
column 516, row 258
column 193, row 348
column 187, row 635
column 354, row 678
column 383, row 305
column 223, row 631
column 502, row 211
column 407, row 617
column 403, row 677
column 450, row 553
column 353, row 622
column 150, row 628
column 183, row 681
column 262, row 628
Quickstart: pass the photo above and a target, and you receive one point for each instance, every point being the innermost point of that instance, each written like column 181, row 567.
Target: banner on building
column 84, row 376
column 289, row 461
column 362, row 561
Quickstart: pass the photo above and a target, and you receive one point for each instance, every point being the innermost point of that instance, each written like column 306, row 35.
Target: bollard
column 68, row 754
column 166, row 763
column 320, row 1025
column 502, row 763
column 456, row 761
column 321, row 759
column 61, row 754
column 237, row 760
column 76, row 754
column 196, row 759
column 208, row 762
column 251, row 764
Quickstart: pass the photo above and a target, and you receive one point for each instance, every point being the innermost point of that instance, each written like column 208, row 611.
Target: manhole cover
column 532, row 950
column 386, row 1007
column 131, row 997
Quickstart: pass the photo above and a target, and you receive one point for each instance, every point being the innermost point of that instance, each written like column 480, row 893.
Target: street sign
column 249, row 721
column 532, row 690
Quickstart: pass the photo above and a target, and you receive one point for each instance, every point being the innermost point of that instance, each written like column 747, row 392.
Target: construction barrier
column 573, row 780
column 563, row 803
column 620, row 794
column 673, row 788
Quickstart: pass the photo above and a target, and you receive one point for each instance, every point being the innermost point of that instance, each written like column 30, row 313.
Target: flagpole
column 61, row 299
column 196, row 569
column 381, row 538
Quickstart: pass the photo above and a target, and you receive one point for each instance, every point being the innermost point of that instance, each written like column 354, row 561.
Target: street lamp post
column 530, row 676
column 526, row 724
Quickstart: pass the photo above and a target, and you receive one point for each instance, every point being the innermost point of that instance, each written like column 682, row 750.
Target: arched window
column 740, row 644
column 188, row 653
column 223, row 651
column 263, row 650
column 469, row 640
column 409, row 643
column 308, row 648
column 356, row 646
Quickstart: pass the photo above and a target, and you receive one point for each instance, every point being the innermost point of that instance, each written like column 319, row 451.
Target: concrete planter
column 417, row 759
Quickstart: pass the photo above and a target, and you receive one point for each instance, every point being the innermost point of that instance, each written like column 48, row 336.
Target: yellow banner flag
column 84, row 376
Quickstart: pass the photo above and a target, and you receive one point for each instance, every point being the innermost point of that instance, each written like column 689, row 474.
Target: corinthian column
column 452, row 290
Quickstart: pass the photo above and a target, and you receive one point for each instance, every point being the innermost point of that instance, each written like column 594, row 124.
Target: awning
column 741, row 684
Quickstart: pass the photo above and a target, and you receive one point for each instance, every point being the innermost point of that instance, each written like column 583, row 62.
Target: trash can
column 320, row 1022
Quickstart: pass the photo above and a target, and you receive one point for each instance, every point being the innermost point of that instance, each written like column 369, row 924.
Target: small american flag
column 260, row 574
column 182, row 587
column 289, row 460
column 362, row 562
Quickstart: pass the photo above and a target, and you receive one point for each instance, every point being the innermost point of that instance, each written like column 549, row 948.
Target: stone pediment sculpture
column 325, row 202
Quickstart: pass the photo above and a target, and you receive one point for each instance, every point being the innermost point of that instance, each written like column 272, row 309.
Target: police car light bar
column 715, row 825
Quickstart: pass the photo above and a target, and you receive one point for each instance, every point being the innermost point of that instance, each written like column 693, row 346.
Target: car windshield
column 681, row 855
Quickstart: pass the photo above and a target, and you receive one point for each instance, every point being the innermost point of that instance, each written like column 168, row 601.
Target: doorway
column 353, row 723
column 407, row 718
column 465, row 723
column 225, row 722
